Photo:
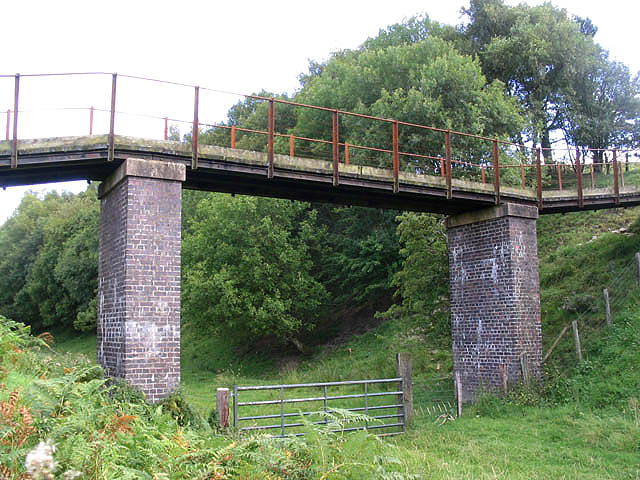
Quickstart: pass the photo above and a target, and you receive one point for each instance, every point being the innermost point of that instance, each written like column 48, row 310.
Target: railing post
column 396, row 158
column 447, row 142
column 496, row 168
column 8, row 122
column 404, row 367
column 524, row 185
column 91, row 121
column 559, row 169
column 616, row 186
column 195, row 129
column 112, row 119
column 14, row 143
column 335, row 136
column 233, row 136
column 484, row 178
column 346, row 153
column 271, row 135
column 579, row 173
column 222, row 407
column 292, row 146
column 593, row 176
column 539, row 178
column 166, row 128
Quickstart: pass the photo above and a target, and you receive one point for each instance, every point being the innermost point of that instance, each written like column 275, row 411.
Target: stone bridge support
column 139, row 275
column 495, row 297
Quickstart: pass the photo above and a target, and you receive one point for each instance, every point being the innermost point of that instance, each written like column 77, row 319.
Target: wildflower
column 71, row 474
column 39, row 462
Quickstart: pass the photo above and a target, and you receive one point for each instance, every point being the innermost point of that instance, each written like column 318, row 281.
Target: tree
column 603, row 109
column 538, row 52
column 247, row 268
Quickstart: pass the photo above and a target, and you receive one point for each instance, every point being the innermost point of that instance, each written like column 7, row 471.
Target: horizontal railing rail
column 378, row 415
column 450, row 154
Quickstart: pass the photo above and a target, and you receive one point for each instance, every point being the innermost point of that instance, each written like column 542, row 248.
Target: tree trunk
column 546, row 146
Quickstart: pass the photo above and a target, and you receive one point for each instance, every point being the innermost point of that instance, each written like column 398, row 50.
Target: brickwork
column 139, row 278
column 495, row 297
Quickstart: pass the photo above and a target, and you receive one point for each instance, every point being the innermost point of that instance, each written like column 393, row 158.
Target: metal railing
column 390, row 418
column 398, row 145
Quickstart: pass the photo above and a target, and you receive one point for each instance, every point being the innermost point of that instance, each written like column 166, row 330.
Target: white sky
column 241, row 46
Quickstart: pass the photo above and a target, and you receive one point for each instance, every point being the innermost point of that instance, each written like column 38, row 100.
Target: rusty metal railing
column 496, row 163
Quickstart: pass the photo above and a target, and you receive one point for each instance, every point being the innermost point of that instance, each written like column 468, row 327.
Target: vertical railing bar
column 396, row 158
column 195, row 128
column 326, row 406
column 539, row 178
column 112, row 119
column 166, row 128
column 14, row 143
column 91, row 121
column 366, row 404
column 579, row 173
column 282, row 409
column 616, row 186
column 559, row 169
column 484, row 178
column 235, row 406
column 271, row 135
column 496, row 168
column 593, row 176
column 335, row 138
column 233, row 136
column 8, row 123
column 447, row 138
column 346, row 153
column 292, row 146
column 522, row 175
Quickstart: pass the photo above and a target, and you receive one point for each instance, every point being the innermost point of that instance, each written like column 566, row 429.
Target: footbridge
column 491, row 189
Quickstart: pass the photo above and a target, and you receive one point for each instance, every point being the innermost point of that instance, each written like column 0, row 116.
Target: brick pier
column 495, row 297
column 139, row 275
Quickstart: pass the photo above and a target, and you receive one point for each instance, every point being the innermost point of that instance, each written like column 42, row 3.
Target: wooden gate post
column 458, row 388
column 405, row 372
column 222, row 407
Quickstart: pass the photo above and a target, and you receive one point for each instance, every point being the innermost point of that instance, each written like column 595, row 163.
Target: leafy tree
column 539, row 52
column 247, row 268
column 422, row 282
column 50, row 260
column 603, row 109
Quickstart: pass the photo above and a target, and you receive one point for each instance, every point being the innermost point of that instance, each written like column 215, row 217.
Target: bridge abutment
column 139, row 275
column 495, row 297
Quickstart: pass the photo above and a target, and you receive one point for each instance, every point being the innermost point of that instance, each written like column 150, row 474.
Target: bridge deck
column 245, row 172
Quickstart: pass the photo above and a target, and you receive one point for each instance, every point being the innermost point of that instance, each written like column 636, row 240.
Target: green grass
column 584, row 425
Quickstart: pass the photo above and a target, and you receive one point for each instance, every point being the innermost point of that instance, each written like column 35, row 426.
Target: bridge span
column 492, row 191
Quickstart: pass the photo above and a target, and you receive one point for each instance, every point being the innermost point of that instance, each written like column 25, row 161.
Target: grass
column 584, row 425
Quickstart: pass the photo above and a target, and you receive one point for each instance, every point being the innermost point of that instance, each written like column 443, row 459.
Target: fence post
column 607, row 306
column 576, row 339
column 222, row 407
column 638, row 262
column 524, row 366
column 112, row 118
column 503, row 378
column 496, row 170
column 235, row 406
column 404, row 366
column 458, row 386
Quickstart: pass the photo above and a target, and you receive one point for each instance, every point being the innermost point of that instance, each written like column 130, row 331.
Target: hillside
column 585, row 423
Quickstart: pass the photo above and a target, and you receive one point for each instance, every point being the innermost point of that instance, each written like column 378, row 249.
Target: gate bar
column 14, row 143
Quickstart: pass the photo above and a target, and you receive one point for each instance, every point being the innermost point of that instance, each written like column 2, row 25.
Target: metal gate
column 369, row 397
